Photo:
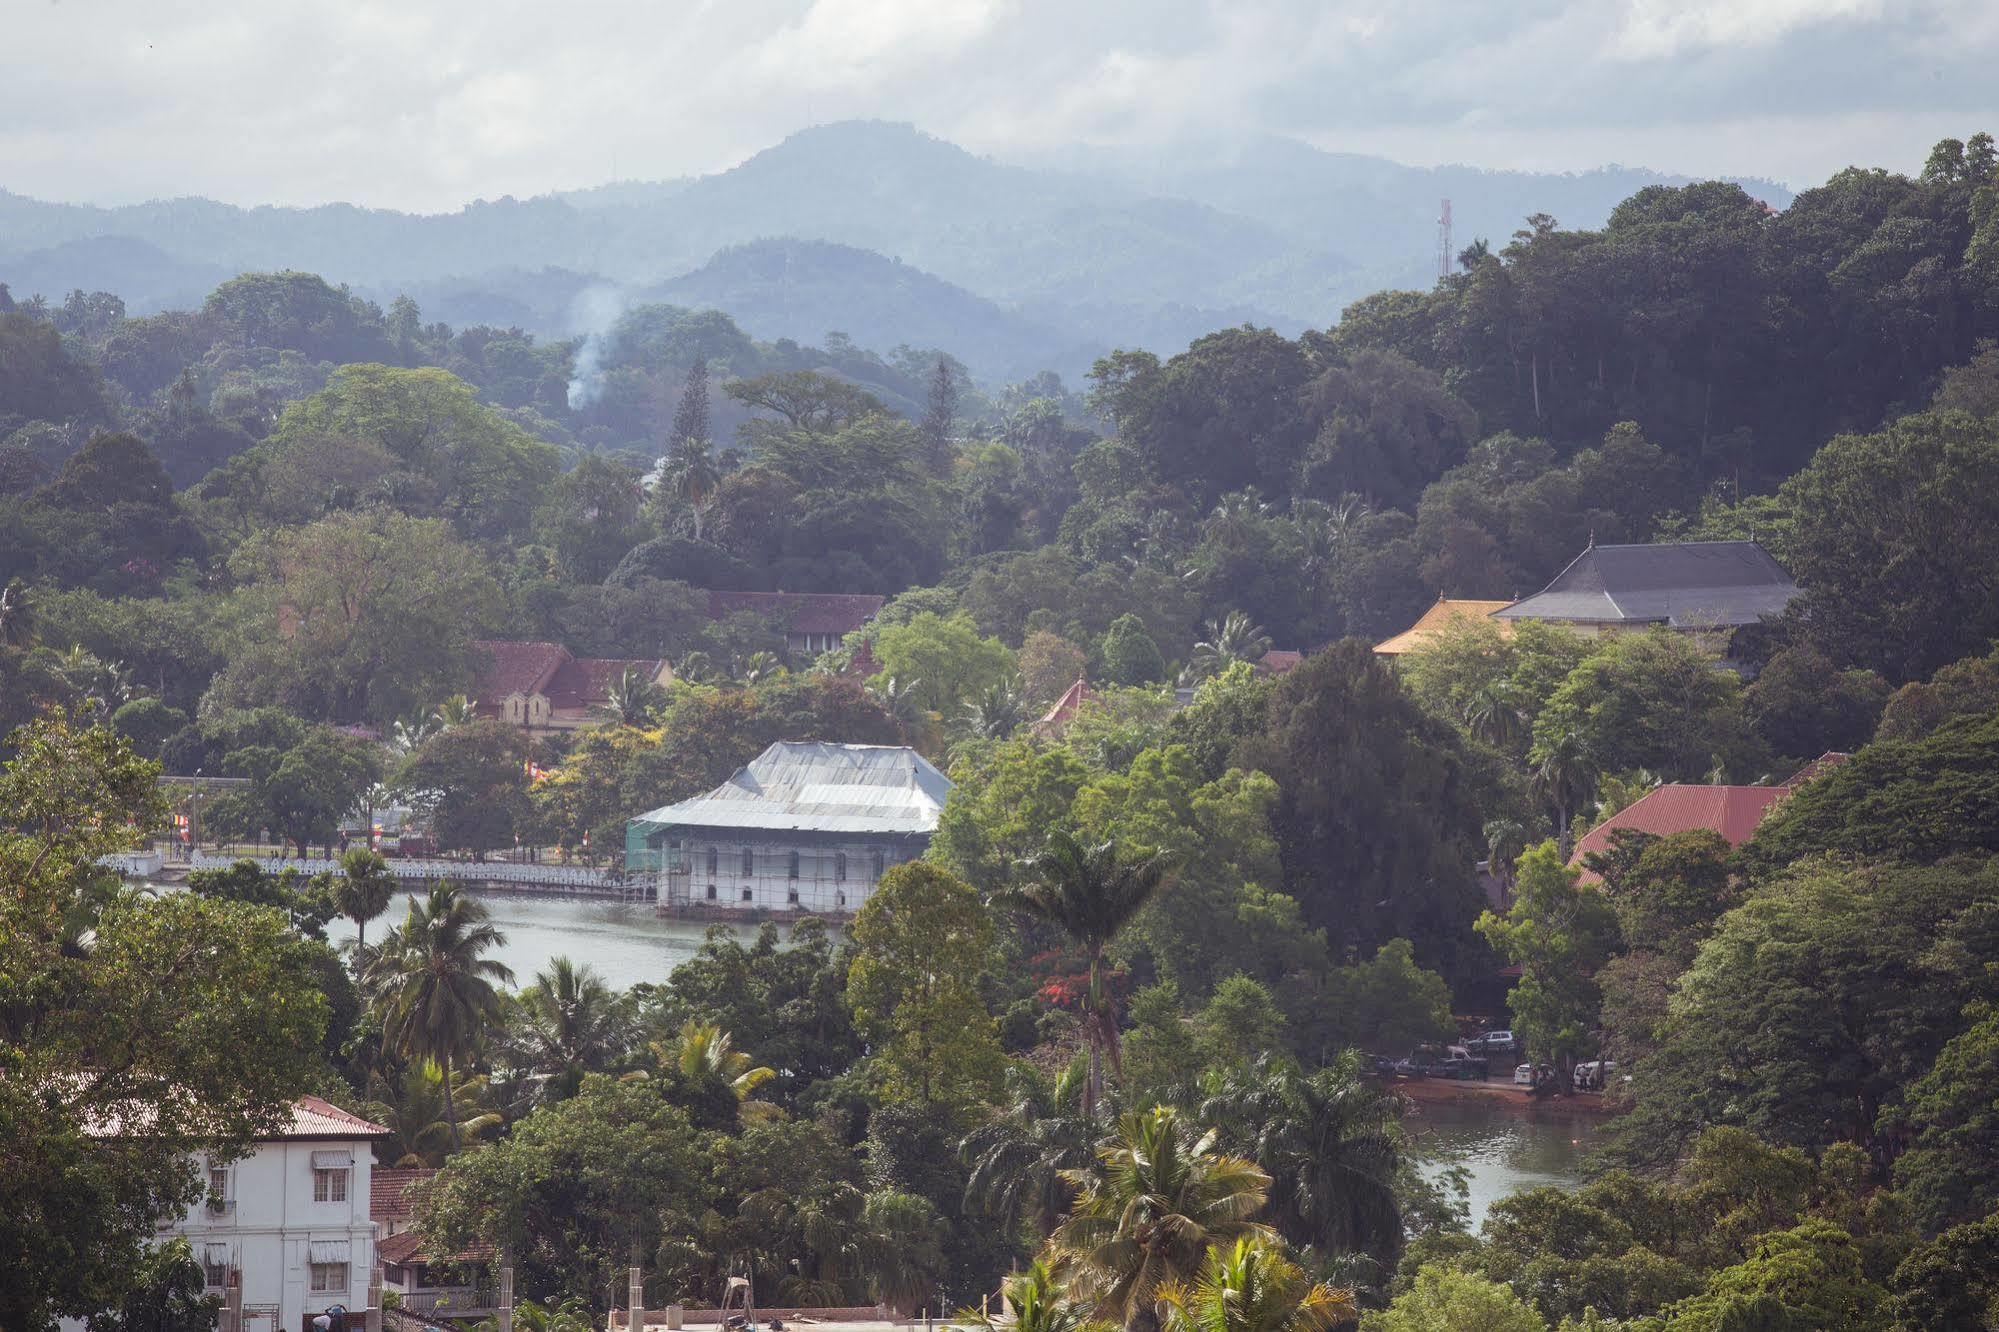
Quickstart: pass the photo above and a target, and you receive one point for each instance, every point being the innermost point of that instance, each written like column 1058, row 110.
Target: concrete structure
column 541, row 687
column 808, row 827
column 1689, row 586
column 291, row 1219
column 1441, row 617
column 812, row 622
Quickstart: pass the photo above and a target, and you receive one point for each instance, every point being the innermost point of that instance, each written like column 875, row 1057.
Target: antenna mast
column 1444, row 241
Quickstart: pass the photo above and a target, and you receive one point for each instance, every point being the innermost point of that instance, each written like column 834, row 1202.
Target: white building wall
column 823, row 883
column 269, row 1221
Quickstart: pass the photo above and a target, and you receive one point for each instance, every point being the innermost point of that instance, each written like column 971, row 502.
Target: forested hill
column 1106, row 251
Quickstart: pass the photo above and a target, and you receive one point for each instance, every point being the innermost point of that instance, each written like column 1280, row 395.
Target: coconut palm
column 703, row 1052
column 759, row 667
column 997, row 712
column 1234, row 637
column 1034, row 1301
column 1505, row 842
column 570, row 1315
column 1147, row 1212
column 1250, row 1286
column 632, row 699
column 1090, row 894
column 437, row 989
column 1017, row 1157
column 428, row 1119
column 1565, row 776
column 900, row 1250
column 1493, row 714
column 454, row 711
column 1332, row 1144
column 363, row 891
column 695, row 667
column 18, row 622
column 407, row 735
column 688, row 472
column 570, row 1023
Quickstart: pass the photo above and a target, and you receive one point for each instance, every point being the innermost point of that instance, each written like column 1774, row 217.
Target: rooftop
column 818, row 786
column 1684, row 584
column 1434, row 621
column 388, row 1192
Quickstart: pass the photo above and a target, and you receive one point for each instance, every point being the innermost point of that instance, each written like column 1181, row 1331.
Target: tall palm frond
column 633, row 699
column 1232, row 638
column 1250, row 1286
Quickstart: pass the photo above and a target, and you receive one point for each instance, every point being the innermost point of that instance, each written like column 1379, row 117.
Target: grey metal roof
column 1685, row 584
column 816, row 786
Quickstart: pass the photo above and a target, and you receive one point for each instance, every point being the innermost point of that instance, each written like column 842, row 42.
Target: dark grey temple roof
column 1684, row 584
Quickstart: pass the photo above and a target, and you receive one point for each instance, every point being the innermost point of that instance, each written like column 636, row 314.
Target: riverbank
column 1499, row 1095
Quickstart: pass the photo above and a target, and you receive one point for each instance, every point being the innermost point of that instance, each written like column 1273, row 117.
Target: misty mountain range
column 871, row 229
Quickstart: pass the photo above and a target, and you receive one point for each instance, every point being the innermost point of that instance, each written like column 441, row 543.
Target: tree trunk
column 450, row 1110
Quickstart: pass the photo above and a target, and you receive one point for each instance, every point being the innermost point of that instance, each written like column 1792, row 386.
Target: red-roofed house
column 814, row 622
column 542, row 687
column 1279, row 661
column 1732, row 811
column 1064, row 709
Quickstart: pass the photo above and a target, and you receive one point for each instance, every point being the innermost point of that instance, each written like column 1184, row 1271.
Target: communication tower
column 1444, row 241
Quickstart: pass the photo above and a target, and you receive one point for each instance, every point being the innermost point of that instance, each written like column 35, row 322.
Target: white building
column 807, row 828
column 292, row 1218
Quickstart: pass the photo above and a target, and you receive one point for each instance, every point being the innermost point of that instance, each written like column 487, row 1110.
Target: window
column 214, row 1269
column 792, row 864
column 329, row 1277
column 840, row 866
column 746, row 894
column 840, row 899
column 792, row 897
column 749, row 861
column 878, row 864
column 714, row 861
column 711, row 892
column 329, row 1186
column 218, row 1181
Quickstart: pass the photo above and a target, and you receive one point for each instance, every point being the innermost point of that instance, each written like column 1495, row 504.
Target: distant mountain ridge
column 1101, row 249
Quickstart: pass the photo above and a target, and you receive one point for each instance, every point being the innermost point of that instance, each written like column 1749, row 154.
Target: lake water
column 626, row 942
column 1502, row 1148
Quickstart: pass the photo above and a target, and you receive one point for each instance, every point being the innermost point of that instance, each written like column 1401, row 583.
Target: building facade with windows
column 291, row 1219
column 807, row 827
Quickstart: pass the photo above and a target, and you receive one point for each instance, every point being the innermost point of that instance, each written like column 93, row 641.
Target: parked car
column 1442, row 1061
column 1493, row 1042
column 1523, row 1075
column 1595, row 1075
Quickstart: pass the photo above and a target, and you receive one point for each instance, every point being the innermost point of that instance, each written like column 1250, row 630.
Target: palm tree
column 1332, row 1144
column 1090, row 894
column 1505, row 843
column 363, row 891
column 1493, row 714
column 457, row 710
column 1034, row 1301
column 1149, row 1210
column 758, row 667
column 427, row 1119
column 632, row 699
column 688, row 472
column 998, row 711
column 407, row 735
column 1017, row 1157
column 1564, row 776
column 571, row 1023
column 1232, row 638
column 18, row 626
column 437, row 989
column 695, row 667
column 703, row 1052
column 571, row 1315
column 1251, row 1287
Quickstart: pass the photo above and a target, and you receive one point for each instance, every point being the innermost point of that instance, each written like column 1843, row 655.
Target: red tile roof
column 1818, row 767
column 516, row 668
column 388, row 1196
column 314, row 1118
column 585, row 682
column 400, row 1250
column 1065, row 708
column 1732, row 811
column 803, row 612
column 1279, row 661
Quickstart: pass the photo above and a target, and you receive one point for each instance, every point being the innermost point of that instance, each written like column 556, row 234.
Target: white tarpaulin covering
column 327, row 1251
column 332, row 1160
column 821, row 787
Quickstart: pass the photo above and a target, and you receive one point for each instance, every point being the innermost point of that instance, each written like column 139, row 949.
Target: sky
column 426, row 104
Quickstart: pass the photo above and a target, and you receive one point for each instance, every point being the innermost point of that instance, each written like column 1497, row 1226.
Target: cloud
column 428, row 103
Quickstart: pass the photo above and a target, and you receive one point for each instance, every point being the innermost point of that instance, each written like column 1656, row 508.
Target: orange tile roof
column 1732, row 811
column 388, row 1192
column 1441, row 616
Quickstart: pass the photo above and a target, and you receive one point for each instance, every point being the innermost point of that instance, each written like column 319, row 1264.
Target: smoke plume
column 592, row 313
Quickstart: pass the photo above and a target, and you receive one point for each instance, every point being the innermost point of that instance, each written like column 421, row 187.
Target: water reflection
column 625, row 942
column 1502, row 1148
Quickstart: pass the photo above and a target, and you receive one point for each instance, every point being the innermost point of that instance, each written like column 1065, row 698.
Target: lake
column 1502, row 1148
column 625, row 942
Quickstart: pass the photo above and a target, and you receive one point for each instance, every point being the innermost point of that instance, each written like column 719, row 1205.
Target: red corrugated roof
column 314, row 1118
column 804, row 612
column 1732, row 811
column 516, row 668
column 388, row 1196
column 1066, row 707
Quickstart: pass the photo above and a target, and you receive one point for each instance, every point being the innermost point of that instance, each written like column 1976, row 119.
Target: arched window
column 711, row 892
column 714, row 859
column 840, row 866
column 793, row 864
column 749, row 861
column 878, row 864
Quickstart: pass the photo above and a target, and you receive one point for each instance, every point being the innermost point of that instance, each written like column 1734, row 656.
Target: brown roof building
column 1440, row 617
column 813, row 622
column 1732, row 811
column 542, row 687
